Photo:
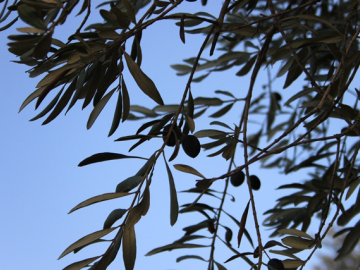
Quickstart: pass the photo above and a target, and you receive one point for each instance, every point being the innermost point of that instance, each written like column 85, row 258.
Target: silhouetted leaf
column 297, row 242
column 143, row 81
column 86, row 239
column 188, row 169
column 129, row 247
column 295, row 232
column 186, row 257
column 243, row 223
column 30, row 16
column 80, row 264
column 98, row 108
column 129, row 183
column 117, row 115
column 173, row 246
column 114, row 216
column 174, row 206
column 99, row 198
column 100, row 157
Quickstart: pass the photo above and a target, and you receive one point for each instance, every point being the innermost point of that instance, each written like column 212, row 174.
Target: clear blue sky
column 41, row 181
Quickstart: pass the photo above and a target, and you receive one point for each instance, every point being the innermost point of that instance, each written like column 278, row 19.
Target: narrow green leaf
column 182, row 28
column 114, row 216
column 222, row 111
column 243, row 223
column 143, row 81
column 43, row 46
column 85, row 240
column 126, row 101
column 188, row 169
column 31, row 97
column 297, row 242
column 174, row 206
column 129, row 10
column 129, row 247
column 129, row 183
column 62, row 103
column 247, row 67
column 176, row 149
column 98, row 108
column 208, row 133
column 238, row 256
column 117, row 115
column 226, row 93
column 48, row 107
column 173, row 246
column 286, row 253
column 99, row 198
column 295, row 232
column 30, row 16
column 292, row 264
column 100, row 157
column 186, row 257
column 140, row 209
column 81, row 264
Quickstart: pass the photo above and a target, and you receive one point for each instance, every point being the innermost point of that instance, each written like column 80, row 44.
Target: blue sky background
column 41, row 181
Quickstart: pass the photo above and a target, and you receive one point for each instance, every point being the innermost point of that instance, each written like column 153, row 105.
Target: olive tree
column 310, row 43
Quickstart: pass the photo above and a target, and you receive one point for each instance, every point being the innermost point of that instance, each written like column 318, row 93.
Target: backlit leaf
column 187, row 169
column 98, row 108
column 129, row 247
column 100, row 157
column 297, row 242
column 243, row 223
column 129, row 183
column 99, row 198
column 30, row 16
column 174, row 206
column 295, row 232
column 85, row 240
column 114, row 216
column 81, row 264
column 143, row 81
column 117, row 115
column 173, row 246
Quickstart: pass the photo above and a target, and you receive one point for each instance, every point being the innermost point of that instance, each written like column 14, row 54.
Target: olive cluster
column 189, row 143
column 239, row 177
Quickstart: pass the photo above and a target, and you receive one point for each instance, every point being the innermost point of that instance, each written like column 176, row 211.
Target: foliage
column 350, row 262
column 310, row 41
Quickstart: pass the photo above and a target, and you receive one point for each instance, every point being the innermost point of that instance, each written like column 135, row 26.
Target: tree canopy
column 312, row 46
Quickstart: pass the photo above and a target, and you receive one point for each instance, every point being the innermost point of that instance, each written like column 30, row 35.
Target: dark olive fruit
column 275, row 264
column 277, row 96
column 255, row 182
column 172, row 138
column 237, row 178
column 191, row 145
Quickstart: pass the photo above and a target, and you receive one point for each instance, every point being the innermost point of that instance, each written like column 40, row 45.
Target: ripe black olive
column 172, row 138
column 191, row 145
column 277, row 96
column 275, row 264
column 237, row 178
column 255, row 182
